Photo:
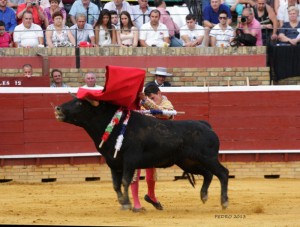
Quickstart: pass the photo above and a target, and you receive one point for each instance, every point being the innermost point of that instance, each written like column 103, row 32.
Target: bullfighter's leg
column 117, row 181
column 150, row 197
column 135, row 192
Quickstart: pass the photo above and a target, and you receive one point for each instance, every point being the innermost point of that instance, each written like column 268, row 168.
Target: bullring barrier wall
column 258, row 128
column 190, row 66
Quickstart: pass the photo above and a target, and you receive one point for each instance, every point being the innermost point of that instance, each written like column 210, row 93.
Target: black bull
column 149, row 142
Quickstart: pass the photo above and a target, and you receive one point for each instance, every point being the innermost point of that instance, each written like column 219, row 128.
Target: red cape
column 122, row 86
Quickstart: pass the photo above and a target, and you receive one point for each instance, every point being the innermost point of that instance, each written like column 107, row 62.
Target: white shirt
column 28, row 37
column 152, row 37
column 125, row 7
column 222, row 37
column 140, row 18
column 84, row 34
column 192, row 34
column 283, row 14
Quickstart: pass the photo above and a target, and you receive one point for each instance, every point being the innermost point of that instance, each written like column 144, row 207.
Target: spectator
column 238, row 6
column 280, row 3
column 86, row 7
column 191, row 34
column 33, row 7
column 5, row 38
column 14, row 4
column 289, row 32
column 58, row 34
column 47, row 3
column 151, row 99
column 27, row 70
column 127, row 35
column 28, row 34
column 268, row 21
column 251, row 25
column 222, row 34
column 54, row 6
column 154, row 33
column 56, row 76
column 211, row 17
column 8, row 16
column 166, row 19
column 160, row 78
column 90, row 80
column 83, row 30
column 105, row 33
column 283, row 15
column 114, row 19
column 141, row 13
column 119, row 6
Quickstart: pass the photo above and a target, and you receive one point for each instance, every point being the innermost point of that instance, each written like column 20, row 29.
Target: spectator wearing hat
column 160, row 77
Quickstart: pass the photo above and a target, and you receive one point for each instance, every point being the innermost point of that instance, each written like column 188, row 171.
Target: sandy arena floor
column 253, row 202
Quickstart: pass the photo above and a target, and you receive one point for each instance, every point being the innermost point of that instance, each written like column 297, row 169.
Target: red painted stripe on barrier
column 175, row 61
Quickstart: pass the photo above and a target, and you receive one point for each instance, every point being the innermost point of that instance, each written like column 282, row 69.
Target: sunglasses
column 224, row 18
column 106, row 35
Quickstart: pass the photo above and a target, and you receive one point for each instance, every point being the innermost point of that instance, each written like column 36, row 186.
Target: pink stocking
column 135, row 190
column 151, row 183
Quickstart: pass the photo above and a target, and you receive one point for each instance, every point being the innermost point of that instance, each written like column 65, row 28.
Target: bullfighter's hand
column 142, row 96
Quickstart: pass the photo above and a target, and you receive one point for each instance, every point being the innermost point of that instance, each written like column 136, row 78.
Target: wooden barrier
column 253, row 123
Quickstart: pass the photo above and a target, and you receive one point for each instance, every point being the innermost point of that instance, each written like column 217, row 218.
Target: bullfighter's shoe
column 157, row 205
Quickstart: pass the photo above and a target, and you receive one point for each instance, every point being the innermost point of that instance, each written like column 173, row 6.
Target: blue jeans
column 175, row 42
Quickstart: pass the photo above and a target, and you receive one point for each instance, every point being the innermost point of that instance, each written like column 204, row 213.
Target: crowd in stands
column 45, row 23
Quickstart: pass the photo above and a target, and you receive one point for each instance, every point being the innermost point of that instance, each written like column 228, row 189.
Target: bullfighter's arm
column 164, row 105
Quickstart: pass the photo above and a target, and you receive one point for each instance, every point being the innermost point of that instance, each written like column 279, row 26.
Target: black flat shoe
column 157, row 205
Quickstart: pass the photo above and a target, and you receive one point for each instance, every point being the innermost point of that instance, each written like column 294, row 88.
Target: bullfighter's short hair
column 151, row 89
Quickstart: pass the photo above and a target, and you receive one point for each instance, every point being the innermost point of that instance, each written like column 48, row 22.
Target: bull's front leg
column 117, row 181
column 126, row 181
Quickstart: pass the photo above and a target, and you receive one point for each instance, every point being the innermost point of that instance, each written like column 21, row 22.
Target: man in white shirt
column 90, row 80
column 83, row 30
column 28, row 34
column 141, row 13
column 191, row 34
column 221, row 34
column 154, row 33
column 119, row 6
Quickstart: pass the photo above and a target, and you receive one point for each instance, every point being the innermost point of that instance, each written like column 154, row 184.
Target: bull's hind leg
column 194, row 167
column 222, row 173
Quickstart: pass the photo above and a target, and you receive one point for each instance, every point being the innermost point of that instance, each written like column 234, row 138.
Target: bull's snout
column 59, row 114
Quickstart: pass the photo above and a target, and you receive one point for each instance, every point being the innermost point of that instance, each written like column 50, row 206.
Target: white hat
column 161, row 71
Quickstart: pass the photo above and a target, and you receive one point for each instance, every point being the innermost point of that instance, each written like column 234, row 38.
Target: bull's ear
column 94, row 103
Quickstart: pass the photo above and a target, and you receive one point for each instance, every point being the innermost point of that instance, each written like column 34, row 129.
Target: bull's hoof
column 225, row 205
column 157, row 205
column 126, row 207
column 138, row 210
column 204, row 197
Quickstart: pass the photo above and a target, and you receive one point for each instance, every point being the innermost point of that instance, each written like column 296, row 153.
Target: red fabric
column 122, row 87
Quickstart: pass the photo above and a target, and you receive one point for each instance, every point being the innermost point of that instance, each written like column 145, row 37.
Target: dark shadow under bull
column 149, row 142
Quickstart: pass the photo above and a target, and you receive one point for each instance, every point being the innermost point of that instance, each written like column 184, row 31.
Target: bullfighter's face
column 157, row 98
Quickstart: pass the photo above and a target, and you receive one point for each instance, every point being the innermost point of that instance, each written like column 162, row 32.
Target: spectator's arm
column 49, row 38
column 41, row 40
column 213, row 41
column 114, row 36
column 97, row 35
column 208, row 24
column 118, row 37
column 71, row 38
column 274, row 20
column 135, row 37
column 40, row 12
column 72, row 18
column 143, row 43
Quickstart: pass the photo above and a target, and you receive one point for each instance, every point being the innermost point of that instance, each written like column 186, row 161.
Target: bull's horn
column 74, row 96
column 93, row 102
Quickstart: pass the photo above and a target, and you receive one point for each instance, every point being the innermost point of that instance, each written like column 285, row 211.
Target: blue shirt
column 212, row 16
column 93, row 12
column 8, row 16
column 289, row 31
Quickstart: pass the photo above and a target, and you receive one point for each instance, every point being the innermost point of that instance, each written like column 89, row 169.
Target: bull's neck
column 99, row 123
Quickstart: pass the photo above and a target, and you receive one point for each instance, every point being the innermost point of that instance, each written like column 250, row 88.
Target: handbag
column 243, row 39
